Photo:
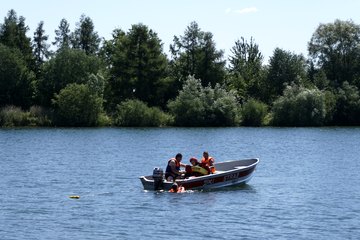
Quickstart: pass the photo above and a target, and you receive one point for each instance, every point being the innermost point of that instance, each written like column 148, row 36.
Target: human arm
column 173, row 168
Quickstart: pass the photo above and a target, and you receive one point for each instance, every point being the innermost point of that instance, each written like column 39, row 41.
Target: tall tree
column 84, row 37
column 195, row 53
column 40, row 46
column 13, row 34
column 68, row 66
column 62, row 35
column 246, row 70
column 285, row 68
column 15, row 78
column 138, row 65
column 335, row 48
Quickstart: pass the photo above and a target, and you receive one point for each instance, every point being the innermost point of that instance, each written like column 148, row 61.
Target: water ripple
column 305, row 187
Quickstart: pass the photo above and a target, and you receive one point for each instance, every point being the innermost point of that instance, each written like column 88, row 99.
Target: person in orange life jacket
column 196, row 169
column 172, row 171
column 208, row 161
column 176, row 189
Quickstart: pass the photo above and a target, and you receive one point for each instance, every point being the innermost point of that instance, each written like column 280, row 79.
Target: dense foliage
column 128, row 80
column 253, row 113
column 299, row 107
column 347, row 105
column 137, row 67
column 15, row 78
column 135, row 113
column 246, row 73
column 76, row 105
column 204, row 106
column 195, row 54
column 11, row 116
column 68, row 66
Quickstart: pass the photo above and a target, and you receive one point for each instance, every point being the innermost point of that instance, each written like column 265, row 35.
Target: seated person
column 172, row 171
column 208, row 161
column 196, row 169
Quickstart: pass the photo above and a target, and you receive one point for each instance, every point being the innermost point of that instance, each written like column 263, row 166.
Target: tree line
column 128, row 80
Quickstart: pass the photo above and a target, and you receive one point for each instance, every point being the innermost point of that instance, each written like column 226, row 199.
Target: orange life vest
column 169, row 172
column 177, row 164
column 209, row 162
column 180, row 190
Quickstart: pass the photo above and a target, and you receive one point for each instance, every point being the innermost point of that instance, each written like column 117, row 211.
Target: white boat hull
column 230, row 173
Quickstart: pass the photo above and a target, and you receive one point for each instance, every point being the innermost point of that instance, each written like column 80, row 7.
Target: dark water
column 307, row 185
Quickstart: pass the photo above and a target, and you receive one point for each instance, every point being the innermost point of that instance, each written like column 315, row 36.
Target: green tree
column 347, row 110
column 137, row 66
column 300, row 107
column 246, row 71
column 285, row 68
column 253, row 113
column 40, row 47
column 13, row 34
column 68, row 66
column 76, row 105
column 188, row 108
column 334, row 48
column 195, row 54
column 84, row 37
column 15, row 78
column 320, row 80
column 62, row 35
column 204, row 106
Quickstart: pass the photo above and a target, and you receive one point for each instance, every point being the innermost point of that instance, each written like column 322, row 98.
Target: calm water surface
column 307, row 185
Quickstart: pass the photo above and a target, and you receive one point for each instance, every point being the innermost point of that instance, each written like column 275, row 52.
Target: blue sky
column 272, row 23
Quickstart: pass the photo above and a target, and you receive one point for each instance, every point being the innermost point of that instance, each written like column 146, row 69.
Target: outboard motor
column 158, row 176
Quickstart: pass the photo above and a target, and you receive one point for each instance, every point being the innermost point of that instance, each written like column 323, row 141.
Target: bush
column 299, row 107
column 38, row 116
column 76, row 105
column 135, row 113
column 12, row 116
column 104, row 120
column 253, row 113
column 204, row 106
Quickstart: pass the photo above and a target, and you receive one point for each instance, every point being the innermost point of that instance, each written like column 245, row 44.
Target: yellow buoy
column 74, row 197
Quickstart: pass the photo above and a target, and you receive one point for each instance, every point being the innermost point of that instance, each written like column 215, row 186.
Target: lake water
column 306, row 186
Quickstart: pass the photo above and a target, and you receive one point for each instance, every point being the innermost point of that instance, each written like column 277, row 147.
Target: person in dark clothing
column 172, row 171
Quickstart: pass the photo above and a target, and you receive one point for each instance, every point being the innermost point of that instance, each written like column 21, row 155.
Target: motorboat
column 228, row 173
